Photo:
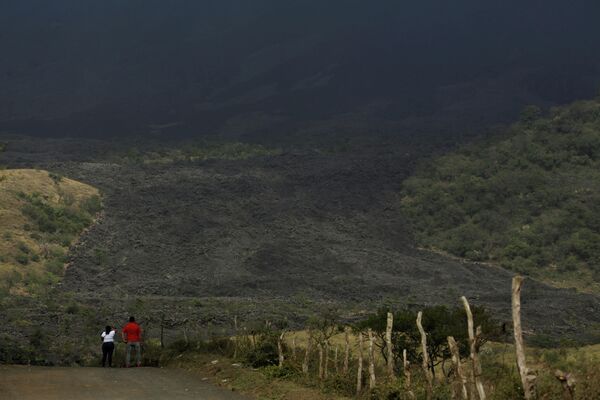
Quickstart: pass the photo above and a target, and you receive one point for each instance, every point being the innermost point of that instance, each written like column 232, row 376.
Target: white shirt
column 108, row 338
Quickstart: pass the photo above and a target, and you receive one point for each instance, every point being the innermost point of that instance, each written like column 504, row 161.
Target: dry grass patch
column 41, row 215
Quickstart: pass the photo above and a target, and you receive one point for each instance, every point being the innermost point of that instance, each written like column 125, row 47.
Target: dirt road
column 40, row 383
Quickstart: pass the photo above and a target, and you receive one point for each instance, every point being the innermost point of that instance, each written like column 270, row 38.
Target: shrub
column 55, row 266
column 22, row 259
column 100, row 256
column 55, row 177
column 92, row 205
column 263, row 355
column 23, row 248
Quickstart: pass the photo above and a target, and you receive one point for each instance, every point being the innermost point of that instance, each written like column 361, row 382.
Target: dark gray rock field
column 281, row 235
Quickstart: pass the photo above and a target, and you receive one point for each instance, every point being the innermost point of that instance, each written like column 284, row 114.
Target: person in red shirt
column 132, row 336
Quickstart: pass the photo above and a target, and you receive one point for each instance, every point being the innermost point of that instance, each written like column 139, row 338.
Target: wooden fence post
column 371, row 361
column 390, row 350
column 307, row 353
column 236, row 337
column 346, row 351
column 321, row 370
column 428, row 374
column 360, row 364
column 326, row 372
column 294, row 347
column 406, row 367
column 460, row 376
column 162, row 331
column 280, row 348
column 527, row 376
column 473, row 349
column 335, row 360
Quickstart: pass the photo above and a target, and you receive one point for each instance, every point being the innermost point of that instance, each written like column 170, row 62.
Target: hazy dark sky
column 236, row 67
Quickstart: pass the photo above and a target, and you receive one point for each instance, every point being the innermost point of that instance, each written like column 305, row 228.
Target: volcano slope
column 280, row 235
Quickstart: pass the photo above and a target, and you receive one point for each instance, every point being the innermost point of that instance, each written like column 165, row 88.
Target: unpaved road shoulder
column 42, row 383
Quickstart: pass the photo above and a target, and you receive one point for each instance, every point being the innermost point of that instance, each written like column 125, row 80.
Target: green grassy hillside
column 41, row 216
column 529, row 200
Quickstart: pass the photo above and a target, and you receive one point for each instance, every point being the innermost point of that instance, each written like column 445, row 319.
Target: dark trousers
column 107, row 352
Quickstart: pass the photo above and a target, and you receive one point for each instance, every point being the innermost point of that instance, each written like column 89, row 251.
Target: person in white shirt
column 108, row 345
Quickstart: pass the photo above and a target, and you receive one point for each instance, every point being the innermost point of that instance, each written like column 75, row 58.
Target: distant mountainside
column 277, row 69
column 529, row 200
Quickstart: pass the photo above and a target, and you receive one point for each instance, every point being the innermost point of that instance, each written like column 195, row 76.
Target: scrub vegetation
column 43, row 214
column 529, row 200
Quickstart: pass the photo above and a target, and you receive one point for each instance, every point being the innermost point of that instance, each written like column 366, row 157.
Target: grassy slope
column 26, row 251
column 529, row 200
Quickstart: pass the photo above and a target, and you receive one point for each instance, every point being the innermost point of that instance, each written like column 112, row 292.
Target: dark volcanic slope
column 287, row 227
column 284, row 228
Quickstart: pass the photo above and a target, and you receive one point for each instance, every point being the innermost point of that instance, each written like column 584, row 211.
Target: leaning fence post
column 388, row 340
column 460, row 376
column 360, row 364
column 527, row 376
column 473, row 349
column 426, row 370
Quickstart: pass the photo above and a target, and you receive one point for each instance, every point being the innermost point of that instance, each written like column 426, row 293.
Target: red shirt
column 132, row 332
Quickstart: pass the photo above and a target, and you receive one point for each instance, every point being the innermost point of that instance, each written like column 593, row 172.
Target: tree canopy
column 439, row 322
column 528, row 200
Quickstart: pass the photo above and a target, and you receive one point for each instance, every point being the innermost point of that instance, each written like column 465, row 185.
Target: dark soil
column 279, row 235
